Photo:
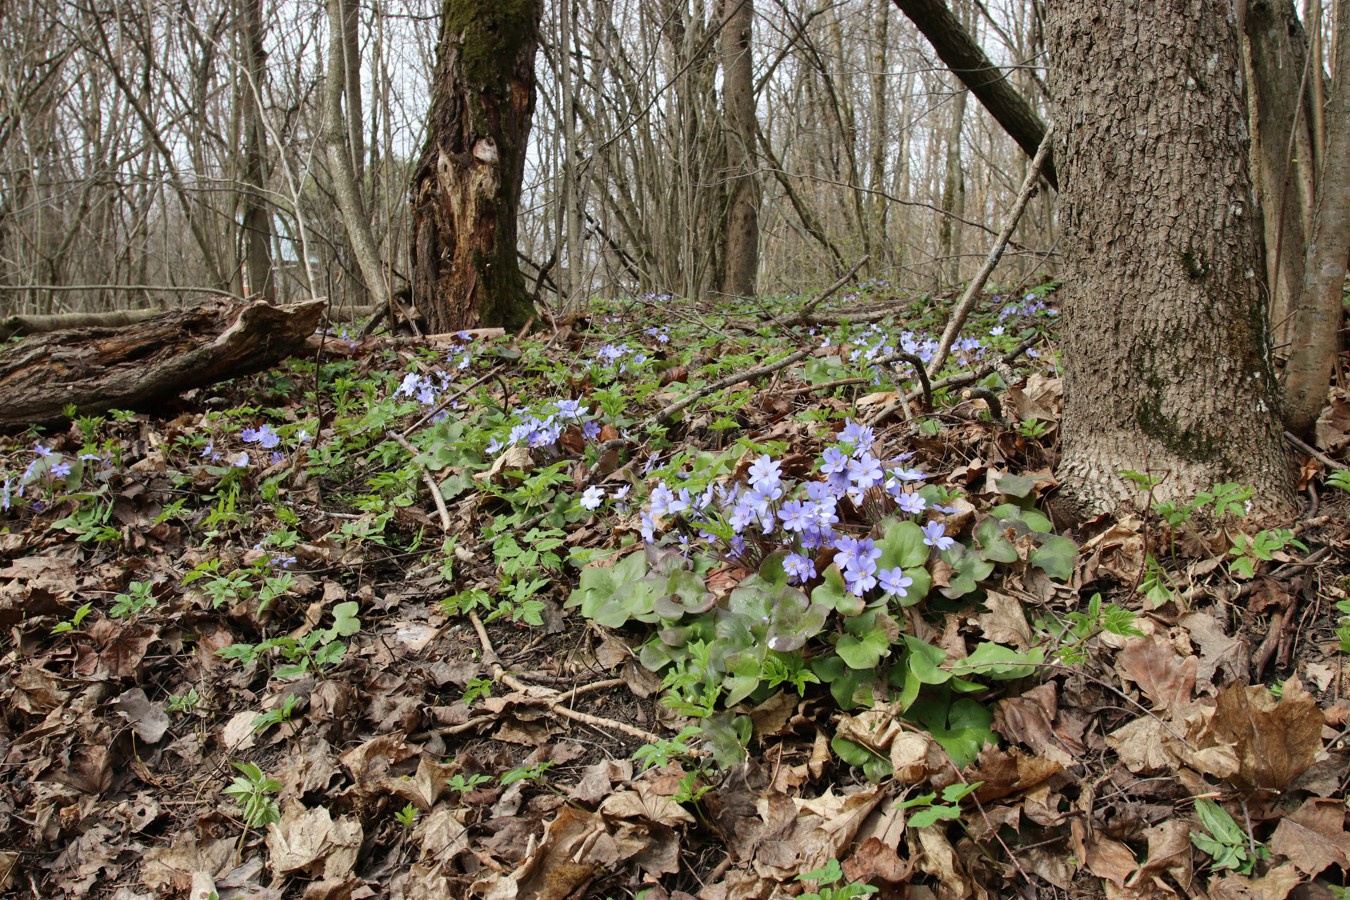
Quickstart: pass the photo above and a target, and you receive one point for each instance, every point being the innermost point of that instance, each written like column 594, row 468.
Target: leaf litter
column 410, row 695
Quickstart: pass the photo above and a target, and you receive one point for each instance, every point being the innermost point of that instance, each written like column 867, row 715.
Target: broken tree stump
column 128, row 367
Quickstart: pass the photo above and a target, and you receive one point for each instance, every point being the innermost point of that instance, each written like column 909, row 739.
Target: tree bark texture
column 738, row 103
column 130, row 367
column 1166, row 365
column 466, row 188
column 1283, row 146
column 256, row 213
column 968, row 62
column 1315, row 327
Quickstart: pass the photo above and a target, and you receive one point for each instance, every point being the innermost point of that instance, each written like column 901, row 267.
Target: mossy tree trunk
column 1166, row 354
column 466, row 188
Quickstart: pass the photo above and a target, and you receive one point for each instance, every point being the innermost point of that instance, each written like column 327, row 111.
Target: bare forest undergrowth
column 663, row 630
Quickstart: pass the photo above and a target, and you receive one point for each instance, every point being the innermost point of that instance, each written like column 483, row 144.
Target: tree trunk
column 1283, row 147
column 257, row 213
column 1316, row 324
column 738, row 100
column 466, row 188
column 1166, row 367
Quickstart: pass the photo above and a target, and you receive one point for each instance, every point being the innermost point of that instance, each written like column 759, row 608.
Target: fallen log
column 133, row 366
column 20, row 325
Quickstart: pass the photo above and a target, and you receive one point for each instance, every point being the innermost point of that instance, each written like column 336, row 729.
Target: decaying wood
column 14, row 326
column 97, row 369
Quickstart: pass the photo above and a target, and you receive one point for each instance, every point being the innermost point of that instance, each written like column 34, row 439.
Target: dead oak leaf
column 1164, row 677
column 1314, row 837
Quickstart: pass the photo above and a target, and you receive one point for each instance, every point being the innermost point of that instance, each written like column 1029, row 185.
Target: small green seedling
column 1227, row 844
column 252, row 790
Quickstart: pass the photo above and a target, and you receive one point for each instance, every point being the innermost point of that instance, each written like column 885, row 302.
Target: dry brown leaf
column 1029, row 719
column 173, row 866
column 1169, row 852
column 1106, row 858
column 148, row 719
column 1274, row 740
column 1223, row 659
column 1276, row 884
column 1314, row 837
column 443, row 833
column 1005, row 623
column 1164, row 677
column 1008, row 771
column 644, row 803
column 310, row 840
column 937, row 858
column 874, row 860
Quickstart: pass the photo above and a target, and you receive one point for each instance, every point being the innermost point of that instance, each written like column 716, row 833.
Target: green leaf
column 968, row 570
column 865, row 652
column 932, row 815
column 902, row 545
column 1056, row 557
column 345, row 621
column 995, row 661
column 994, row 544
column 1016, row 485
column 833, row 595
column 924, row 661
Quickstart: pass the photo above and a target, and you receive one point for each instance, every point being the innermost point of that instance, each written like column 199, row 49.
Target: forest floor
column 247, row 653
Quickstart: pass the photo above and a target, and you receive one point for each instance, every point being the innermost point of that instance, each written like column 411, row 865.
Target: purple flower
column 799, row 567
column 571, row 409
column 590, row 430
column 864, row 472
column 41, row 450
column 661, row 499
column 240, row 461
column 859, row 583
column 935, row 535
column 796, row 516
column 894, row 581
column 592, row 497
column 911, row 503
column 765, row 471
column 860, row 436
column 833, row 461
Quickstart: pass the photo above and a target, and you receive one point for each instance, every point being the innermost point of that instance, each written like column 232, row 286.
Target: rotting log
column 133, row 366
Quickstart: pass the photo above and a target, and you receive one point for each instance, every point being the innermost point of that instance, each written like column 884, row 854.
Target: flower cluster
column 427, row 389
column 769, row 513
column 544, row 431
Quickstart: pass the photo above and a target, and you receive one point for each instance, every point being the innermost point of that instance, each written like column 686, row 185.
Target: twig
column 426, row 479
column 955, row 380
column 556, row 702
column 680, row 405
column 924, row 384
column 802, row 314
column 448, row 400
column 1315, row 453
column 995, row 254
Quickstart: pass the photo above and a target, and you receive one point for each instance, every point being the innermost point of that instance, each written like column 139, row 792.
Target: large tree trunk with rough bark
column 466, row 189
column 738, row 104
column 1166, row 363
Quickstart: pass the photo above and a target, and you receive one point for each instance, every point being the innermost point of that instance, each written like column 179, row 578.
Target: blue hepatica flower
column 765, row 472
column 860, row 436
column 894, row 581
column 935, row 535
column 796, row 516
column 799, row 567
column 911, row 503
column 60, row 470
column 864, row 473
